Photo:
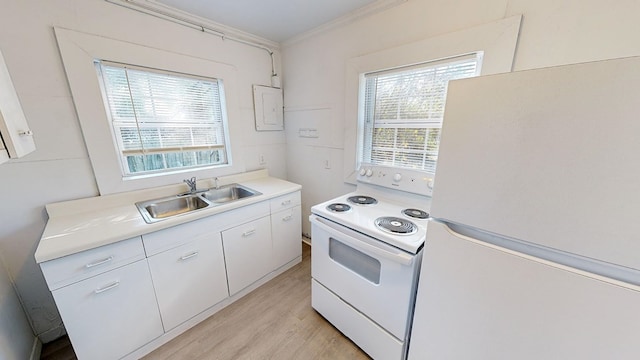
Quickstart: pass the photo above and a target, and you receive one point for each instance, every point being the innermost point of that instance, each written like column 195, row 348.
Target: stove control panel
column 413, row 181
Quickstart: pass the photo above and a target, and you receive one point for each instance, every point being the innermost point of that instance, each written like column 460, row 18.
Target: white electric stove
column 366, row 256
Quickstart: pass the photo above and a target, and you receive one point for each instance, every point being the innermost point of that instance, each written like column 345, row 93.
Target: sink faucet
column 192, row 184
column 215, row 179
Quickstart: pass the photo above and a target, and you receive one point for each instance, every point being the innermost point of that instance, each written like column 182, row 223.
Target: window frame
column 79, row 52
column 497, row 40
column 118, row 140
column 366, row 137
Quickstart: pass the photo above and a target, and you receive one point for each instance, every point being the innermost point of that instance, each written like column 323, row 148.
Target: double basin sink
column 168, row 207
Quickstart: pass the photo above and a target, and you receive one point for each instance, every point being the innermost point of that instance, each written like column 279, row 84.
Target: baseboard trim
column 36, row 349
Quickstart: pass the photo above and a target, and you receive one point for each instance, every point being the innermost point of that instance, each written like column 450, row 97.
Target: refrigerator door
column 549, row 156
column 480, row 301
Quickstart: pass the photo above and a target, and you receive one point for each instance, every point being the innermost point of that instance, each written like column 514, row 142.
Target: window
column 164, row 121
column 403, row 110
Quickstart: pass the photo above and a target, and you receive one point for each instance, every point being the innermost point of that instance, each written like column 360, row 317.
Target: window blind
column 164, row 120
column 403, row 111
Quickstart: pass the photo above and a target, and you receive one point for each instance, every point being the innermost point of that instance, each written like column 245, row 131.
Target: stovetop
column 385, row 192
column 362, row 218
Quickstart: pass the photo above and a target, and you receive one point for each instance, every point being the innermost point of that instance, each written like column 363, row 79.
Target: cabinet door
column 189, row 279
column 247, row 252
column 111, row 314
column 14, row 130
column 286, row 233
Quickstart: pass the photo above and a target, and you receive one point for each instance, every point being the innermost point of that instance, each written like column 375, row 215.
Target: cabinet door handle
column 248, row 232
column 287, row 218
column 103, row 261
column 108, row 287
column 189, row 256
column 286, row 202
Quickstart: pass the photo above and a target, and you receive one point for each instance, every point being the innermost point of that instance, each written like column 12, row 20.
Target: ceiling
column 276, row 20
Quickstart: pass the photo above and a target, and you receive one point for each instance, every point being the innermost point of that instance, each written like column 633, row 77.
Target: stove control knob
column 397, row 177
column 369, row 172
column 363, row 171
column 430, row 184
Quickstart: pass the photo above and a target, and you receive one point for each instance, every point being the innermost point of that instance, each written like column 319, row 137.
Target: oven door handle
column 363, row 244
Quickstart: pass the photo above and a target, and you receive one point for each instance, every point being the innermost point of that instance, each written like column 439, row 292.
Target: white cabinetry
column 15, row 136
column 286, row 228
column 113, row 311
column 127, row 298
column 248, row 252
column 189, row 278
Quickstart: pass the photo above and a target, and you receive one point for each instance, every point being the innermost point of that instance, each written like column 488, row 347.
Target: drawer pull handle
column 286, row 202
column 185, row 257
column 248, row 233
column 108, row 287
column 287, row 218
column 103, row 261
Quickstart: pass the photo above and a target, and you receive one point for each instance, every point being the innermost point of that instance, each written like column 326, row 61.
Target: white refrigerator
column 534, row 251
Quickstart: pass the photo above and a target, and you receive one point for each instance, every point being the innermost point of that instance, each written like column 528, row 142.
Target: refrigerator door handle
column 600, row 270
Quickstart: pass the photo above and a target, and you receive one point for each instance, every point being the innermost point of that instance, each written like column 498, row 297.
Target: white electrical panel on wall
column 16, row 139
column 268, row 108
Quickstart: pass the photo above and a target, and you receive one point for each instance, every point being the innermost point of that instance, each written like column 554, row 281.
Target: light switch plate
column 268, row 106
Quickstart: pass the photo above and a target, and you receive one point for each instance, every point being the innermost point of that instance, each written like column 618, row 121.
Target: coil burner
column 362, row 200
column 396, row 225
column 416, row 213
column 338, row 207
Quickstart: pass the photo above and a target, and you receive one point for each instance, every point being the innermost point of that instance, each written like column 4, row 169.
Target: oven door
column 377, row 279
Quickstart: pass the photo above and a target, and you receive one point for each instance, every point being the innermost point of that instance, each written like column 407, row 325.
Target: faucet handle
column 192, row 183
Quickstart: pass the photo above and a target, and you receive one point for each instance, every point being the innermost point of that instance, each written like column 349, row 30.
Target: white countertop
column 84, row 224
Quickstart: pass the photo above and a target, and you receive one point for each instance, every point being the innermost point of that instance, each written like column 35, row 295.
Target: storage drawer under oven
column 377, row 279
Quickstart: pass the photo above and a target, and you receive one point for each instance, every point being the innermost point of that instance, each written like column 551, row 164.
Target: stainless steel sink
column 164, row 208
column 159, row 209
column 228, row 193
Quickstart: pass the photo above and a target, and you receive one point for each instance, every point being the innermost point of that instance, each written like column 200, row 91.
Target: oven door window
column 355, row 260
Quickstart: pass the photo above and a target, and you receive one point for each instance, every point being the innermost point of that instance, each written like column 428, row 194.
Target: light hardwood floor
column 275, row 321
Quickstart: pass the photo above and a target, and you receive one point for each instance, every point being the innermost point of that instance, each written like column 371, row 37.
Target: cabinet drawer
column 73, row 268
column 285, row 201
column 159, row 241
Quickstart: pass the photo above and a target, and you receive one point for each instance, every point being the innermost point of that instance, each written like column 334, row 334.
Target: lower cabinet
column 286, row 228
column 117, row 298
column 110, row 315
column 248, row 253
column 189, row 279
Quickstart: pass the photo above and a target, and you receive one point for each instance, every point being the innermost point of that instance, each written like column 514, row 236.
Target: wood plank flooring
column 275, row 321
column 59, row 349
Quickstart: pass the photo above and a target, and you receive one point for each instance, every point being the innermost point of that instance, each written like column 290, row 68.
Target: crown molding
column 351, row 17
column 166, row 12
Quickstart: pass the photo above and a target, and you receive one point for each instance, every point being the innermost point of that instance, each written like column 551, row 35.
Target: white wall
column 16, row 337
column 60, row 168
column 552, row 33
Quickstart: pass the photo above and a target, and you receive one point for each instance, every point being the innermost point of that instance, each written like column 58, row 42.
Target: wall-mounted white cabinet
column 16, row 140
